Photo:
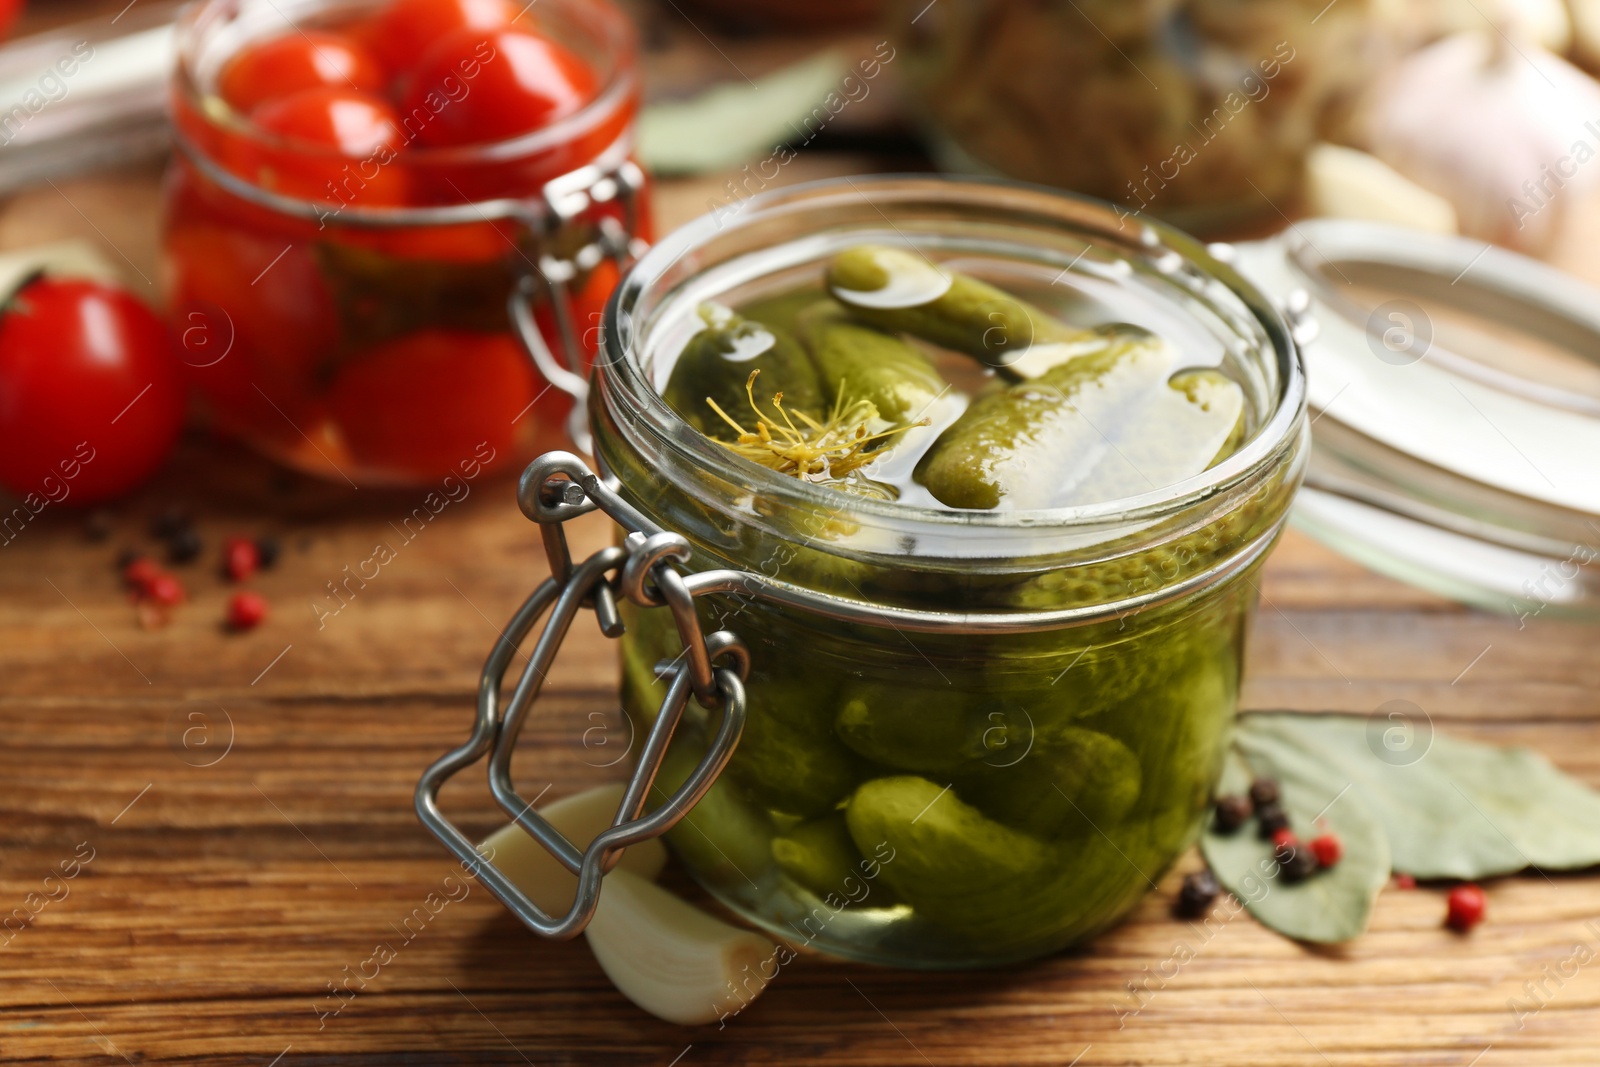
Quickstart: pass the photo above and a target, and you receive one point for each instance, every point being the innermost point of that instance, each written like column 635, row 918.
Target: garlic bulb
column 1505, row 131
column 670, row 958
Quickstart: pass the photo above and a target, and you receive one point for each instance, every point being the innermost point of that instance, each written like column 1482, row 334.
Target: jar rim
column 619, row 85
column 620, row 364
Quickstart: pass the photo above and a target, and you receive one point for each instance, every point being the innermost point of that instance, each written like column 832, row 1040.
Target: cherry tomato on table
column 515, row 82
column 297, row 61
column 91, row 400
column 408, row 28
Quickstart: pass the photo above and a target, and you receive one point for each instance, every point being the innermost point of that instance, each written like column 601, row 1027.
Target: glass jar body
column 936, row 788
column 1200, row 112
column 349, row 317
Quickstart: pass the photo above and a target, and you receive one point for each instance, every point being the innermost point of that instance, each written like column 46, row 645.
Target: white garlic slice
column 580, row 818
column 673, row 960
column 1344, row 183
column 667, row 956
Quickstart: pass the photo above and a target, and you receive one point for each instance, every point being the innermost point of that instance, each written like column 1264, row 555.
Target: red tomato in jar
column 475, row 87
column 350, row 140
column 408, row 28
column 91, row 400
column 297, row 61
column 421, row 405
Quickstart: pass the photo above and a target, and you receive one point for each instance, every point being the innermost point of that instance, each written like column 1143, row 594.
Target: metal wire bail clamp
column 554, row 488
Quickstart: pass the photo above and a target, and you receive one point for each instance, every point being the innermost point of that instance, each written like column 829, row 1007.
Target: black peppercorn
column 1232, row 813
column 127, row 556
column 1264, row 791
column 1295, row 863
column 1194, row 899
column 97, row 528
column 168, row 522
column 268, row 549
column 184, row 546
column 1272, row 818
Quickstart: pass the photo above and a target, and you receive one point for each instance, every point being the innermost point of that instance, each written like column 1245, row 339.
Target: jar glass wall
column 349, row 316
column 1003, row 766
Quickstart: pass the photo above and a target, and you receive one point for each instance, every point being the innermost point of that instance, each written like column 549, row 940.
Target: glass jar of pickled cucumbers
column 1199, row 112
column 998, row 475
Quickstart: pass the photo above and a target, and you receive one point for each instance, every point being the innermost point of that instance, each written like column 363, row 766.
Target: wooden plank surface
column 239, row 808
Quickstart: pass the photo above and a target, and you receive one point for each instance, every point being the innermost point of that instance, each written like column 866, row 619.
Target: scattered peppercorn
column 165, row 590
column 184, row 546
column 168, row 522
column 1232, row 813
column 1194, row 899
column 1328, row 849
column 1272, row 819
column 268, row 549
column 1296, row 864
column 1404, row 881
column 1264, row 791
column 127, row 556
column 97, row 526
column 1285, row 838
column 240, row 558
column 1465, row 908
column 246, row 610
column 139, row 572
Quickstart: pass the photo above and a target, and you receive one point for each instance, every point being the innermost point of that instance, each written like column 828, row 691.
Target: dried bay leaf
column 1332, row 905
column 1458, row 810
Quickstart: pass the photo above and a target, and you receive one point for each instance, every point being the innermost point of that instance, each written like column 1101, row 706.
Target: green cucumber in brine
column 715, row 367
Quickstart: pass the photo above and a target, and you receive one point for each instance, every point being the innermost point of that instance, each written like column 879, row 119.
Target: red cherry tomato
column 350, row 140
column 475, row 87
column 297, row 61
column 91, row 399
column 407, row 28
column 422, row 405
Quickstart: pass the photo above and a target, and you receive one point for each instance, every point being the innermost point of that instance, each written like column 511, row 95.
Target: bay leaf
column 1331, row 905
column 737, row 122
column 1450, row 808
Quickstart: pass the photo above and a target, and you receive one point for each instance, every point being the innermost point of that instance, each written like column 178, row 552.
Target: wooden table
column 245, row 801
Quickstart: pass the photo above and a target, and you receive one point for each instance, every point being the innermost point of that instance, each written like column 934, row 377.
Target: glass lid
column 1456, row 397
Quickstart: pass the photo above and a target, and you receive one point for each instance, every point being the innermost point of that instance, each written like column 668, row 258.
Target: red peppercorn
column 1466, row 906
column 165, row 590
column 1404, row 881
column 1284, row 838
column 140, row 572
column 1328, row 849
column 246, row 611
column 240, row 558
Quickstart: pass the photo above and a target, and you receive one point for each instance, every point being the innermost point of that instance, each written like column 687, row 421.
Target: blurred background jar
column 358, row 192
column 1200, row 112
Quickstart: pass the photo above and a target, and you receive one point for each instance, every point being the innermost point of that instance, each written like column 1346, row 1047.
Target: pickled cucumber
column 723, row 836
column 952, row 864
column 898, row 289
column 821, row 856
column 945, row 735
column 791, row 764
column 1033, row 444
column 861, row 362
column 716, row 364
column 1068, row 782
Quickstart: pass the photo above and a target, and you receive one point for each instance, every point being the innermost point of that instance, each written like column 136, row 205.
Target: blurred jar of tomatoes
column 391, row 225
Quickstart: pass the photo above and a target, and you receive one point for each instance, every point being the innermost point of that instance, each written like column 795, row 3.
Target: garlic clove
column 673, row 960
column 580, row 818
column 1344, row 183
